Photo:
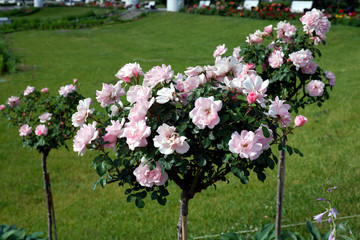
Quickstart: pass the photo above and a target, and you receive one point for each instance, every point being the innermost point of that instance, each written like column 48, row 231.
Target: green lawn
column 329, row 140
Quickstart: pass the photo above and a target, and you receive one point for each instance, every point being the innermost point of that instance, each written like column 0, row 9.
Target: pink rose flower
column 84, row 137
column 110, row 94
column 25, row 130
column 2, row 107
column 79, row 118
column 137, row 93
column 258, row 86
column 331, row 77
column 220, row 50
column 276, row 59
column 301, row 58
column 315, row 21
column 14, row 101
column 246, row 145
column 129, row 71
column 158, row 75
column 114, row 131
column 28, row 90
column 169, row 141
column 262, row 139
column 45, row 117
column 310, row 68
column 315, row 88
column 279, row 110
column 236, row 53
column 251, row 97
column 167, row 94
column 193, row 71
column 136, row 134
column 300, row 120
column 66, row 90
column 205, row 112
column 44, row 90
column 41, row 130
column 257, row 37
column 268, row 29
column 148, row 178
column 75, row 80
column 139, row 111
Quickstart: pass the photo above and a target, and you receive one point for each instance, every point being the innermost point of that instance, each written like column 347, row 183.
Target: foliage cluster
column 13, row 233
column 8, row 60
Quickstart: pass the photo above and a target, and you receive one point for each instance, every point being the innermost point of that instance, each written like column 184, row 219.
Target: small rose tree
column 285, row 56
column 44, row 124
column 192, row 129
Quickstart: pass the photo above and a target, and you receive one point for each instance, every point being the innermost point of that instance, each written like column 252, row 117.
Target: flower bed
column 271, row 11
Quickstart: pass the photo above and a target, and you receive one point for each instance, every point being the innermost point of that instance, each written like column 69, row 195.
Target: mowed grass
column 329, row 140
column 62, row 12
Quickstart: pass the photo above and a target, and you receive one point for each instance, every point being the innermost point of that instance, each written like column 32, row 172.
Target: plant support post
column 49, row 200
column 280, row 188
column 182, row 224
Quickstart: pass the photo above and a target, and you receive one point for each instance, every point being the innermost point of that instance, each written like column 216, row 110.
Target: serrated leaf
column 101, row 168
column 130, row 198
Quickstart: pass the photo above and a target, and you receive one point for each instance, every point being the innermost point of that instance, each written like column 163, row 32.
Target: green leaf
column 206, row 142
column 128, row 191
column 139, row 203
column 289, row 150
column 265, row 131
column 265, row 233
column 313, row 230
column 103, row 182
column 162, row 201
column 130, row 198
column 101, row 168
column 154, row 195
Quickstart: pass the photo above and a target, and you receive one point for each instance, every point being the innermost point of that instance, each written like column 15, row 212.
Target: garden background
column 52, row 59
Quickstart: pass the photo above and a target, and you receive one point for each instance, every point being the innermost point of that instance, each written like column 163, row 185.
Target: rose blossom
column 193, row 71
column 136, row 134
column 251, row 97
column 169, row 141
column 25, row 130
column 158, row 75
column 279, row 110
column 45, row 117
column 41, row 130
column 128, row 71
column 268, row 29
column 115, row 110
column 137, row 93
column 114, row 131
column 236, row 53
column 220, row 50
column 205, row 112
column 276, row 59
column 84, row 137
column 44, row 90
column 148, row 178
column 14, row 101
column 262, row 139
column 65, row 90
column 300, row 120
column 257, row 37
column 331, row 77
column 29, row 90
column 301, row 58
column 315, row 88
column 258, row 86
column 140, row 109
column 79, row 118
column 75, row 80
column 109, row 94
column 2, row 106
column 310, row 68
column 166, row 94
column 245, row 145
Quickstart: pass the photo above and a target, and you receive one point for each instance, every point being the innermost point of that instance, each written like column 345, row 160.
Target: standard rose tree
column 44, row 124
column 192, row 129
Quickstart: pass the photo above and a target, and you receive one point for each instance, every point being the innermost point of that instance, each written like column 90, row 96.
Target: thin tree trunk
column 182, row 224
column 280, row 188
column 49, row 200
